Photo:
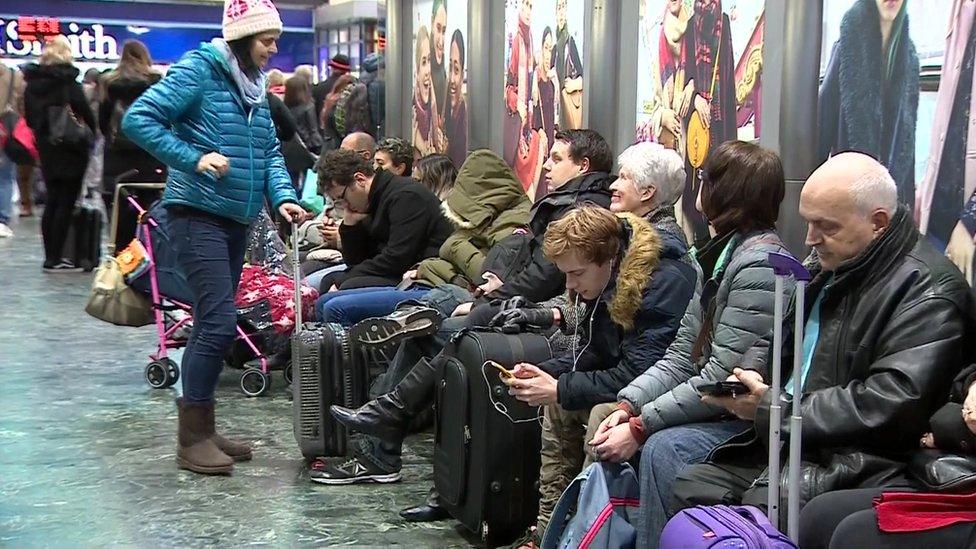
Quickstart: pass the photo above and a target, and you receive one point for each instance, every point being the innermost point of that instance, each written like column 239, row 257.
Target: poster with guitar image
column 699, row 83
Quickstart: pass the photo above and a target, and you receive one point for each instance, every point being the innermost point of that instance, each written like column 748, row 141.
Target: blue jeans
column 664, row 455
column 8, row 174
column 315, row 279
column 348, row 307
column 210, row 251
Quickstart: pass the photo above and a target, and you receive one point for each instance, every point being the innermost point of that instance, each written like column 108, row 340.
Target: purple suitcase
column 725, row 526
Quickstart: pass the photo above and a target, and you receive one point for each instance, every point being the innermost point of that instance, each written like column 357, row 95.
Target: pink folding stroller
column 171, row 302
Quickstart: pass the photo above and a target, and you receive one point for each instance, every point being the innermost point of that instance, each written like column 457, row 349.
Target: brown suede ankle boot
column 237, row 450
column 196, row 451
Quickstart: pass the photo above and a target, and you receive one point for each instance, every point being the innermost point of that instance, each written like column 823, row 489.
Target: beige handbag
column 113, row 301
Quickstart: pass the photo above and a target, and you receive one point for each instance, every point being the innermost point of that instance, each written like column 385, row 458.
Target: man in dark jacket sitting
column 390, row 222
column 577, row 172
column 634, row 288
column 888, row 320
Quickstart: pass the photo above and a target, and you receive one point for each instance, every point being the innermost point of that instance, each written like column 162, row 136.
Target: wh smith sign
column 23, row 37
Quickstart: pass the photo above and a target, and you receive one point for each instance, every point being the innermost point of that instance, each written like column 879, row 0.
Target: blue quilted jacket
column 197, row 108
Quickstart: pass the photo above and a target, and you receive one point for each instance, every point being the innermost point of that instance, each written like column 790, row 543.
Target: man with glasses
column 390, row 224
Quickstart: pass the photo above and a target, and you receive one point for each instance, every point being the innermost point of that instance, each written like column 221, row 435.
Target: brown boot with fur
column 196, row 451
column 237, row 450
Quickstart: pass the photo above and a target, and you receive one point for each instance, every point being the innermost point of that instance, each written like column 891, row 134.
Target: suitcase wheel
column 254, row 382
column 161, row 374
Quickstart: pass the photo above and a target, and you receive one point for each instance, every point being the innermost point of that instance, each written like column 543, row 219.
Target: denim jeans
column 348, row 307
column 315, row 279
column 210, row 250
column 664, row 455
column 8, row 174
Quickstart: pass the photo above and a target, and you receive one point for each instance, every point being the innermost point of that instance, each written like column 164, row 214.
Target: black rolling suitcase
column 487, row 443
column 326, row 370
column 84, row 243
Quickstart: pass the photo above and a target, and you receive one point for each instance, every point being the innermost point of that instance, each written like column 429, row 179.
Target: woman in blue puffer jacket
column 208, row 120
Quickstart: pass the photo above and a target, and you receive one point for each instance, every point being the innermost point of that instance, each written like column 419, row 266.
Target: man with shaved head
column 889, row 324
column 361, row 143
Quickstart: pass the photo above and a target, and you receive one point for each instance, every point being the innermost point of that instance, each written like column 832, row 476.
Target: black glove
column 517, row 302
column 523, row 317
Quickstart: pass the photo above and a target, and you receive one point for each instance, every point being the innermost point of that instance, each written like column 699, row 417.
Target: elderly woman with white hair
column 651, row 179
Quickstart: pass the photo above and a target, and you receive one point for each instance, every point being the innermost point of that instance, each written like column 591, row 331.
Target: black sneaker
column 407, row 321
column 64, row 266
column 355, row 470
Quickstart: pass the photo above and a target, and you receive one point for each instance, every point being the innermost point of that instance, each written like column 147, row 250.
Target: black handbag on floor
column 487, row 444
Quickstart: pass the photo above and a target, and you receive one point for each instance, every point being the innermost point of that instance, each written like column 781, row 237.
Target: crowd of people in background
column 414, row 243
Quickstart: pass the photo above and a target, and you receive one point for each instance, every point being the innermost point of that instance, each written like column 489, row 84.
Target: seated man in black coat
column 391, row 223
column 888, row 324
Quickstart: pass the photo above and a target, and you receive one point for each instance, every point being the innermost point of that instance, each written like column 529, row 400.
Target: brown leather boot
column 237, row 450
column 196, row 451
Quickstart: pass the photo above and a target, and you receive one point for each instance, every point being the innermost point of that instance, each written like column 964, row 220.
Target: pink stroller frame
column 162, row 372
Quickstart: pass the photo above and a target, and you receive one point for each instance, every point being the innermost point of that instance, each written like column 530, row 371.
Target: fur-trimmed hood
column 641, row 251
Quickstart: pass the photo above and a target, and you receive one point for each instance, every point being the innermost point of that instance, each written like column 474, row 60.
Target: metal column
column 790, row 83
column 399, row 67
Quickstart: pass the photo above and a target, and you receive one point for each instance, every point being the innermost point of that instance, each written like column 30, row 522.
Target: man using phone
column 889, row 325
column 634, row 288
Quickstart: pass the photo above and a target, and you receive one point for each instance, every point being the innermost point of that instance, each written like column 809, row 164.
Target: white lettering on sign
column 88, row 42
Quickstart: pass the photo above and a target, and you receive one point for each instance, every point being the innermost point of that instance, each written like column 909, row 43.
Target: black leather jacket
column 896, row 324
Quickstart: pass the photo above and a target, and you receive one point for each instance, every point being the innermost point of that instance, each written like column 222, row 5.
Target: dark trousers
column 711, row 484
column 846, row 518
column 210, row 251
column 62, row 194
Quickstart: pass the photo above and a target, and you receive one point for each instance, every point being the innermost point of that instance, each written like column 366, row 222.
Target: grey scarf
column 252, row 91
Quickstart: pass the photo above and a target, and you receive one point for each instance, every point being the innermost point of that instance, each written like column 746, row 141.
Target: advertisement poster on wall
column 543, row 82
column 699, row 83
column 897, row 84
column 440, row 112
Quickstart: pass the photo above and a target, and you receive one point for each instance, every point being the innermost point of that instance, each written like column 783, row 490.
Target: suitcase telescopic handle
column 297, row 273
column 784, row 267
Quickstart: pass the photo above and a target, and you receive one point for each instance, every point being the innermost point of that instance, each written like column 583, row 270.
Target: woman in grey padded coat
column 731, row 312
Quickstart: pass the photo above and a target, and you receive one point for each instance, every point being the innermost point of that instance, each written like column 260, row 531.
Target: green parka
column 486, row 205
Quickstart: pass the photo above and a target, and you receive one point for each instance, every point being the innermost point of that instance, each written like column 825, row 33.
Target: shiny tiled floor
column 87, row 448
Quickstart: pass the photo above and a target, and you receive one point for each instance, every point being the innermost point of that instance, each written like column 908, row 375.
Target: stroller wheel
column 287, row 374
column 161, row 374
column 255, row 382
column 172, row 372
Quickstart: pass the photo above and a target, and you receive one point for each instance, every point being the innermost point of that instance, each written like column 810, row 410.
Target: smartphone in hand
column 502, row 371
column 723, row 389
